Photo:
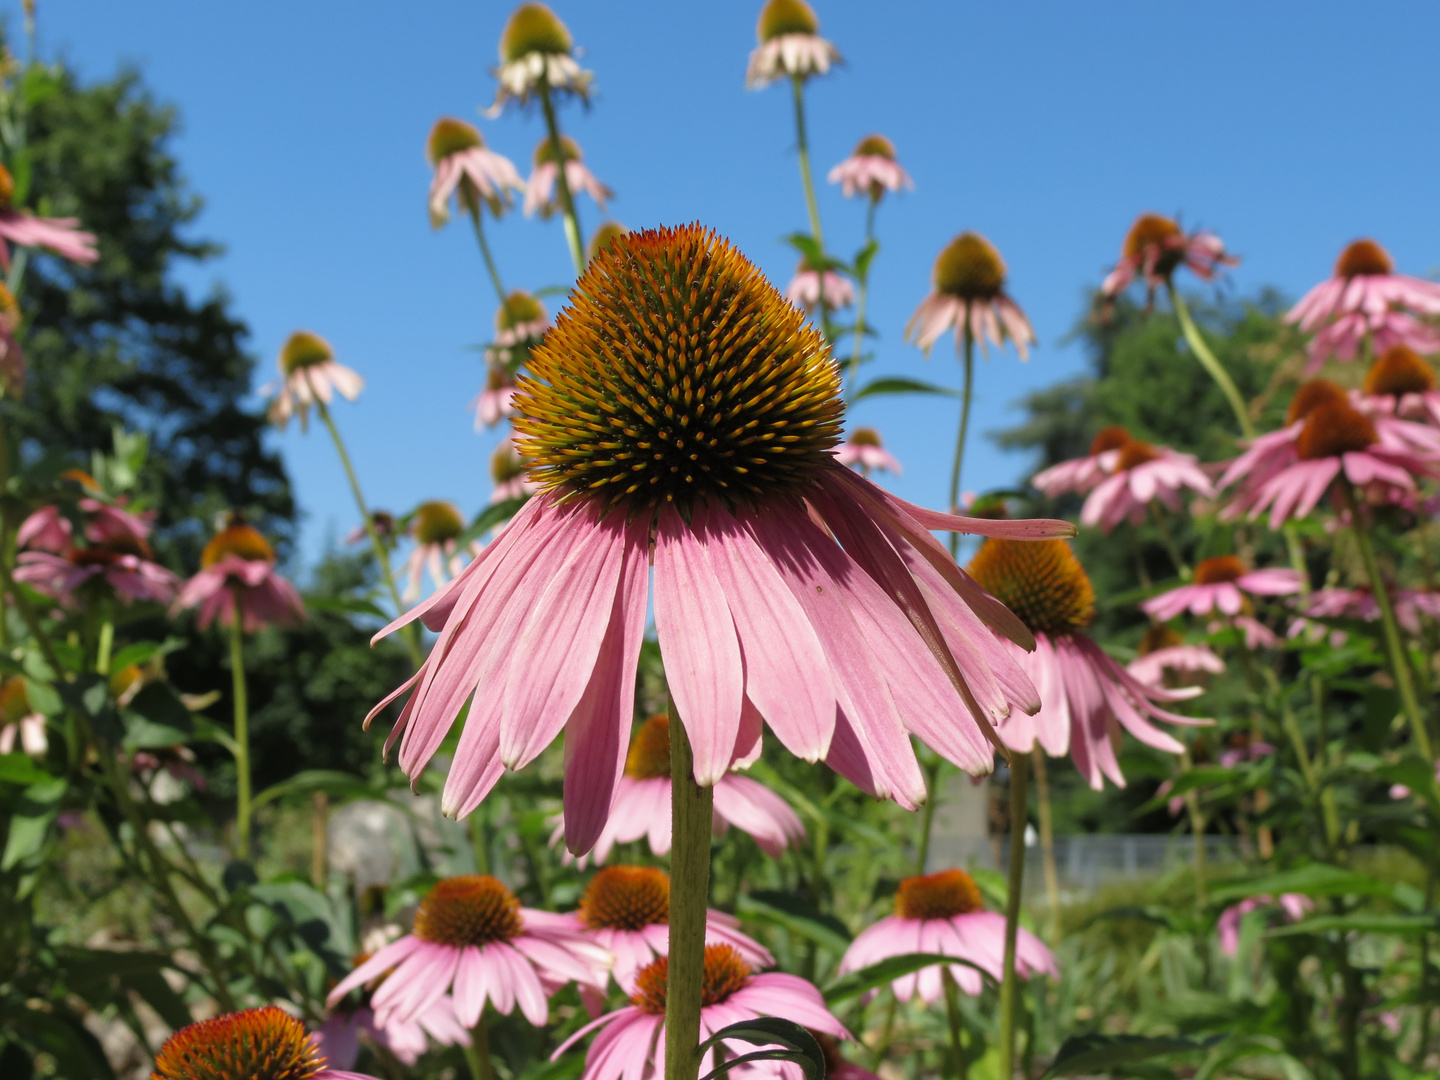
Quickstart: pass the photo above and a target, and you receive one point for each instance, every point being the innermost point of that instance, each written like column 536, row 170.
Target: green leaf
column 865, row 257
column 799, row 1045
column 17, row 768
column 806, row 245
column 30, row 824
column 1316, row 879
column 565, row 1068
column 43, row 698
column 896, row 385
column 1361, row 923
column 1100, row 1055
column 347, row 605
column 329, row 781
column 789, row 913
column 156, row 717
column 491, row 516
column 142, row 651
column 886, row 971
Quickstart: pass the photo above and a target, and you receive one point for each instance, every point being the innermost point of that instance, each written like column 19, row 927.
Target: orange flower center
column 533, row 28
column 1309, row 396
column 1135, row 453
column 969, row 268
column 257, row 1044
column 437, row 521
column 1041, row 581
column 865, row 436
column 780, row 17
column 725, row 973
column 472, row 909
column 450, row 136
column 1221, row 568
column 937, row 896
column 875, row 146
column 1158, row 239
column 304, row 349
column 1334, row 429
column 1399, row 370
column 1363, row 257
column 242, row 540
column 649, row 755
column 626, row 898
column 1109, row 438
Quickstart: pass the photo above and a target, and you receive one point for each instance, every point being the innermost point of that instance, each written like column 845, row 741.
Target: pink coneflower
column 467, row 169
column 1143, row 473
column 1082, row 475
column 1400, row 383
column 642, row 800
column 717, row 438
column 626, row 911
column 520, row 323
column 969, row 295
column 473, row 938
column 492, row 404
column 631, row 1043
column 59, row 235
column 124, row 568
column 257, row 1044
column 1155, row 247
column 943, row 913
column 338, row 1037
column 809, row 288
column 871, row 170
column 1366, row 300
column 1295, row 907
column 540, row 188
column 865, row 449
column 1221, row 582
column 308, row 372
column 434, row 526
column 1359, row 603
column 111, row 523
column 19, row 720
column 507, row 472
column 410, row 1039
column 1175, row 661
column 1086, row 698
column 536, row 50
column 238, row 567
column 790, row 45
column 47, row 529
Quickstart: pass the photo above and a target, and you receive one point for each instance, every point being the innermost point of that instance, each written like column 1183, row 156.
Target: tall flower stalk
column 573, row 235
column 241, row 702
column 1210, row 362
column 1015, row 883
column 967, row 353
column 692, row 809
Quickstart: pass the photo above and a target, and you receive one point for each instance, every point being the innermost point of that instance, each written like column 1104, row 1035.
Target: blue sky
column 1290, row 128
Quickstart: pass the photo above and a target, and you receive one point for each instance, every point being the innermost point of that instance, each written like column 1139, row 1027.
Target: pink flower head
column 761, row 612
column 59, row 235
column 508, row 472
column 467, row 169
column 805, row 289
column 1295, row 907
column 1365, row 300
column 435, row 527
column 19, row 720
column 520, row 323
column 1359, row 603
column 309, row 374
column 943, row 913
column 111, row 523
column 124, row 567
column 969, row 295
column 238, row 567
column 492, row 404
column 631, row 1043
column 626, row 911
column 474, row 940
column 1143, row 473
column 871, row 170
column 642, row 801
column 47, row 529
column 1178, row 661
column 540, row 188
column 256, row 1044
column 790, row 45
column 1221, row 582
column 1083, row 475
column 1400, row 383
column 1155, row 247
column 409, row 1039
column 865, row 449
column 1086, row 698
column 536, row 50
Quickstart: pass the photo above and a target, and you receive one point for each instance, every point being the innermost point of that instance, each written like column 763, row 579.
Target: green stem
column 853, row 374
column 804, row 151
column 479, row 841
column 573, row 235
column 691, row 819
column 1210, row 363
column 1171, row 548
column 242, row 730
column 1009, row 983
column 1047, row 842
column 927, row 813
column 1197, row 831
column 477, row 1054
column 969, row 352
column 955, row 1022
column 476, row 215
column 1422, row 1048
column 106, row 644
column 883, row 1044
column 1291, row 724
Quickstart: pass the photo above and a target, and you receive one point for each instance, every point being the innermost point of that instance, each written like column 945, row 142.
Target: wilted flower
column 238, row 567
column 535, row 52
column 790, row 44
column 1366, row 300
column 1084, row 474
column 1221, row 582
column 434, row 526
column 540, row 188
column 865, row 449
column 59, row 235
column 870, row 170
column 257, row 1044
column 308, row 372
column 811, row 287
column 466, row 168
column 19, row 720
column 1143, row 473
column 1294, row 905
column 969, row 295
column 943, row 913
column 1155, row 247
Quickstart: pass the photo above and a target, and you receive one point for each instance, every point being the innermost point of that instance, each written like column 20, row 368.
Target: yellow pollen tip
column 875, row 146
column 450, row 136
column 437, row 521
column 242, row 540
column 1363, row 257
column 1334, row 429
column 569, row 150
column 1135, row 453
column 533, row 28
column 1220, row 568
column 938, row 896
column 649, row 755
column 304, row 349
column 969, row 268
column 472, row 909
column 1041, row 581
column 1399, row 370
column 626, row 898
column 1109, row 438
column 257, row 1044
column 677, row 373
column 780, row 17
column 725, row 973
column 1309, row 396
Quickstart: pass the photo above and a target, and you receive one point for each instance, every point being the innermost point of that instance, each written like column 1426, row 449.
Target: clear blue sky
column 1290, row 128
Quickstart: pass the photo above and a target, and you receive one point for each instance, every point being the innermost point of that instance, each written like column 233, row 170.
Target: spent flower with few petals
column 308, row 373
column 467, row 169
column 790, row 45
column 810, row 288
column 864, row 448
column 969, row 296
column 536, row 55
column 870, row 170
column 434, row 526
column 540, row 188
column 1155, row 247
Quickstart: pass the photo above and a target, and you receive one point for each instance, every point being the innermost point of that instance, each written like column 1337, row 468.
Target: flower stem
column 853, row 374
column 1009, row 984
column 476, row 215
column 691, row 818
column 956, row 1024
column 1210, row 363
column 1171, row 548
column 927, row 813
column 1047, row 842
column 242, row 730
column 878, row 1054
column 803, row 145
column 969, row 352
column 477, row 1054
column 562, row 183
column 319, row 839
column 106, row 644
